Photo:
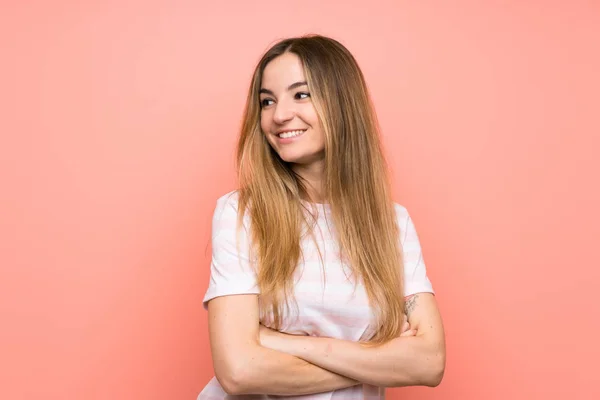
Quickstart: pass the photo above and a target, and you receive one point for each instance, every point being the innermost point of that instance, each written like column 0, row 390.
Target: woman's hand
column 273, row 339
column 406, row 329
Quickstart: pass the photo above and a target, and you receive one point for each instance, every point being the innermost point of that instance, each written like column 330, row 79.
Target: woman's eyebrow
column 291, row 87
column 297, row 84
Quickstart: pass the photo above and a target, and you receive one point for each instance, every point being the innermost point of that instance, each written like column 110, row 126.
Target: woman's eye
column 302, row 95
column 266, row 102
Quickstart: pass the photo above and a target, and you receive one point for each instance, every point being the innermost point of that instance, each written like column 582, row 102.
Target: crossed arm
column 245, row 353
column 417, row 357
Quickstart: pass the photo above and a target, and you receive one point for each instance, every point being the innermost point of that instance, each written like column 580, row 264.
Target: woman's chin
column 291, row 158
column 299, row 159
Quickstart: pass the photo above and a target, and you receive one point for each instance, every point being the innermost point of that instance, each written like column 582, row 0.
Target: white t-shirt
column 327, row 302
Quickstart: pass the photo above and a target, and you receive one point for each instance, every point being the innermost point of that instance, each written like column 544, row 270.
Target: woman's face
column 288, row 118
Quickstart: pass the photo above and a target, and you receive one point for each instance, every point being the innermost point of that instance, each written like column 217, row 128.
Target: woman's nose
column 283, row 112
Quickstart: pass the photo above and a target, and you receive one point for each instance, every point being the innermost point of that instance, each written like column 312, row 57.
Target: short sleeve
column 415, row 272
column 230, row 270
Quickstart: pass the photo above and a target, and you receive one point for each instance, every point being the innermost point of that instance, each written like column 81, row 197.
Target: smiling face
column 288, row 117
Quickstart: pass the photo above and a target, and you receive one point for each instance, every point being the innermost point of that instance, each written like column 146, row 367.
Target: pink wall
column 118, row 123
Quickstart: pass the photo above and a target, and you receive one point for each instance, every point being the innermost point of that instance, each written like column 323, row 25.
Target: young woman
column 317, row 284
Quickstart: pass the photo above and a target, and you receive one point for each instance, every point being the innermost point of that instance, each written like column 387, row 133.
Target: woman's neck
column 313, row 175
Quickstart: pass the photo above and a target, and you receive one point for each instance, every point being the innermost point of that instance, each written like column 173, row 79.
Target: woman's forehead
column 282, row 72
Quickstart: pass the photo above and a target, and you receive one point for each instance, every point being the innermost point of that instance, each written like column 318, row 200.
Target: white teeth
column 290, row 134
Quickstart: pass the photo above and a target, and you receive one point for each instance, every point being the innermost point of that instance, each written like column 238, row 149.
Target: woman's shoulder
column 230, row 198
column 226, row 207
column 401, row 211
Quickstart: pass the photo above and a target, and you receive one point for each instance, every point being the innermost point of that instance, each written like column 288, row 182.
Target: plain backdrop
column 119, row 121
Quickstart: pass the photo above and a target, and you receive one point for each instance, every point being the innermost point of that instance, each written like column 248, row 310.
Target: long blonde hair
column 356, row 186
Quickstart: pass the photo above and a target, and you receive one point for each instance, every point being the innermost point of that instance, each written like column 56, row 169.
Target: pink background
column 119, row 121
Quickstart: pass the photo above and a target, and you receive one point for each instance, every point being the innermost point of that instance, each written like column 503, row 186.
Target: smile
column 291, row 134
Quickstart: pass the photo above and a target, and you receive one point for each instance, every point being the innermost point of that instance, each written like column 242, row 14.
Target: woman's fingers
column 405, row 324
column 410, row 332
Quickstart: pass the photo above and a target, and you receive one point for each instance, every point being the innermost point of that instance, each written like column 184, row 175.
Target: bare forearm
column 405, row 361
column 272, row 372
